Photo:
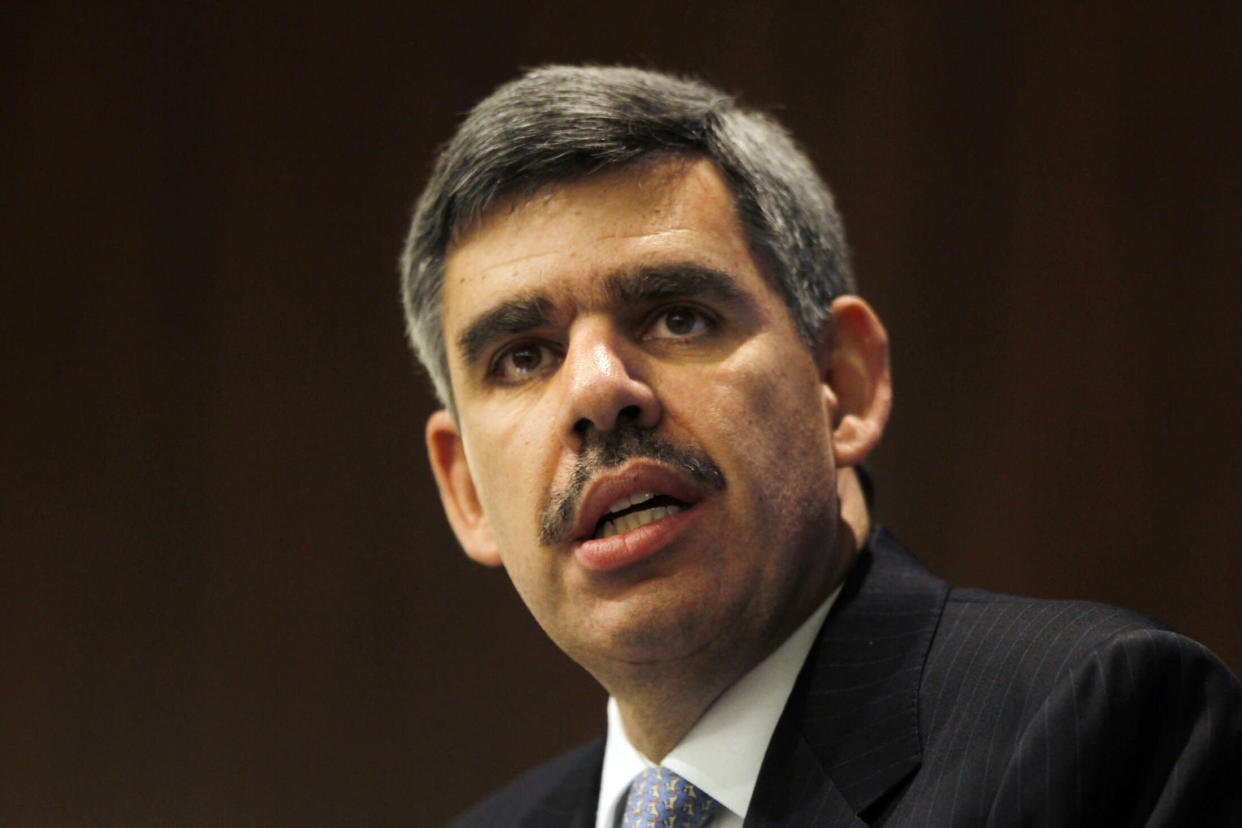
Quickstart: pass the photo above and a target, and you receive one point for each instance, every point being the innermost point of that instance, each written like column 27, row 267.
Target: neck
column 657, row 721
column 659, row 704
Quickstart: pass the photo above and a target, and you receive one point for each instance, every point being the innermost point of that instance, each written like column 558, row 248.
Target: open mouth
column 635, row 510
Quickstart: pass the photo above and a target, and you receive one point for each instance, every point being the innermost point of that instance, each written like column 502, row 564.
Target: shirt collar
column 724, row 749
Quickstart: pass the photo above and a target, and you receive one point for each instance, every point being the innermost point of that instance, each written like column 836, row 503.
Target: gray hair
column 559, row 123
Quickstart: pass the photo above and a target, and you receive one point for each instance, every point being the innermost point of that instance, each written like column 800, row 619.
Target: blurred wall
column 229, row 596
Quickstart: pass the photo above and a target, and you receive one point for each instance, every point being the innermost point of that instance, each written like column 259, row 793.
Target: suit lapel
column 850, row 732
column 799, row 793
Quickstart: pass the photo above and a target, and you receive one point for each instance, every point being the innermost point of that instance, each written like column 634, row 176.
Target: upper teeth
column 628, row 501
column 633, row 520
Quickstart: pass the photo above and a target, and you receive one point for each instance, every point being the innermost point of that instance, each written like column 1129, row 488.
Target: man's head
column 646, row 434
column 560, row 123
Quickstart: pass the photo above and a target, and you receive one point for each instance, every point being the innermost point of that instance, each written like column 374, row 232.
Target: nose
column 605, row 386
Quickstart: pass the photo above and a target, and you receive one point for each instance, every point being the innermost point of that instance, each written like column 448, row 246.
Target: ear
column 457, row 491
column 853, row 363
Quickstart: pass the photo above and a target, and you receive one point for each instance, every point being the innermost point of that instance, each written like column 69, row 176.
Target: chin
column 650, row 633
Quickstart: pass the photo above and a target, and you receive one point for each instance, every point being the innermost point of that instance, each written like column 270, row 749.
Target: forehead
column 568, row 238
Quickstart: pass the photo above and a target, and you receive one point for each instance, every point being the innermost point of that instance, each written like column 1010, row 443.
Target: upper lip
column 637, row 476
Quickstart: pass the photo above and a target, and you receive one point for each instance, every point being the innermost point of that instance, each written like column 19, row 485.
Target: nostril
column 629, row 415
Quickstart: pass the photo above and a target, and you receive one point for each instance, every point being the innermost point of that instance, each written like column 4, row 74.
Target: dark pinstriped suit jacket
column 925, row 705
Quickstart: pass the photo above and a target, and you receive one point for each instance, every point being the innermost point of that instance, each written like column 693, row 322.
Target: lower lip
column 628, row 548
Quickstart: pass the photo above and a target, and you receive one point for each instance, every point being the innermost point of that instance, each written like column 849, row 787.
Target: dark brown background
column 228, row 593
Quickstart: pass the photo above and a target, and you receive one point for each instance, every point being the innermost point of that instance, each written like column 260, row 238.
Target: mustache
column 609, row 450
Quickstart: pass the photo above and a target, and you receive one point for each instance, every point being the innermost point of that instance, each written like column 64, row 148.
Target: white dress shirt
column 722, row 753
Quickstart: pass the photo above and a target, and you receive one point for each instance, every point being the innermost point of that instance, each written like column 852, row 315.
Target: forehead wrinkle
column 552, row 248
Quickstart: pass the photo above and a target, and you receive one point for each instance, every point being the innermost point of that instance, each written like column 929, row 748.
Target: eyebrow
column 652, row 284
column 511, row 317
column 636, row 286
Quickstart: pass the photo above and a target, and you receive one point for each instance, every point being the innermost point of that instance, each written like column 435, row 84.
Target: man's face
column 613, row 340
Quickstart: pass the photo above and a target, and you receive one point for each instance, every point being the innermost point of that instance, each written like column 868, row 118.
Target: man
column 634, row 301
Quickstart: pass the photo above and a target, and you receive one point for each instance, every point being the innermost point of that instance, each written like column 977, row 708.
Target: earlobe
column 457, row 491
column 853, row 360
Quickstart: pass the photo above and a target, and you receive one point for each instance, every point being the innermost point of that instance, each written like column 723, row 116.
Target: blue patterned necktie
column 659, row 797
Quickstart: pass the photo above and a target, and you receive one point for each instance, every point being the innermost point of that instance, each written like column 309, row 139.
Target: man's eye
column 521, row 360
column 678, row 323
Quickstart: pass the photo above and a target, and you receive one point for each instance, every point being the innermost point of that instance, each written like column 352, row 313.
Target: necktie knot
column 659, row 798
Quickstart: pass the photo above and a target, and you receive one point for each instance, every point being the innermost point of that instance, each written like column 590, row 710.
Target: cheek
column 775, row 432
column 775, row 402
column 504, row 451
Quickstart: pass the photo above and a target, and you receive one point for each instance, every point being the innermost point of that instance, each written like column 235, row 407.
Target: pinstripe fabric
column 924, row 705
